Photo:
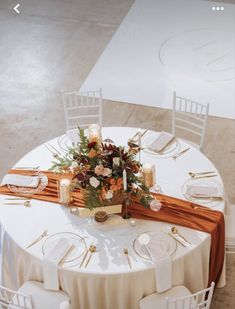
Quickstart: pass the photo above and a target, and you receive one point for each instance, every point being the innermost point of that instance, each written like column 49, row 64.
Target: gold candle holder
column 148, row 174
column 94, row 134
column 65, row 191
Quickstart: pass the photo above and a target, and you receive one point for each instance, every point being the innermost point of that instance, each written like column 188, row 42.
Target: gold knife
column 176, row 239
column 62, row 260
column 44, row 234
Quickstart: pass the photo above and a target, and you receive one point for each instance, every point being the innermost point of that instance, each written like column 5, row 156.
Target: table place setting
column 161, row 145
column 203, row 188
column 53, row 258
column 161, row 258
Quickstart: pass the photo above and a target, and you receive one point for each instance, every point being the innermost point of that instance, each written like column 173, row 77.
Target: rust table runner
column 173, row 210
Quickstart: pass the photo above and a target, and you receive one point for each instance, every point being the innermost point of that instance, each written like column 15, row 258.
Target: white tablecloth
column 107, row 282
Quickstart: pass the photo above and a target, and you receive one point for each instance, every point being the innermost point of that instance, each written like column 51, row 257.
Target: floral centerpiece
column 100, row 170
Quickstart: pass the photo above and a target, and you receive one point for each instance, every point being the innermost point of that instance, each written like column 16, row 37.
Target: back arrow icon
column 16, row 8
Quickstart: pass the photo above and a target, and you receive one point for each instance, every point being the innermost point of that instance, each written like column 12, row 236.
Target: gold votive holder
column 64, row 191
column 148, row 175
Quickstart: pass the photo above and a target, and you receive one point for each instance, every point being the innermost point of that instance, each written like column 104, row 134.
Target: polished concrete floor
column 52, row 46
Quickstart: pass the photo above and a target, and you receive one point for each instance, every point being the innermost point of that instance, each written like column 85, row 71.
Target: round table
column 108, row 280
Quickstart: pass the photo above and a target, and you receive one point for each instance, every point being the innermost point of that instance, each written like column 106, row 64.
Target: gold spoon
column 26, row 203
column 174, row 230
column 125, row 251
column 92, row 249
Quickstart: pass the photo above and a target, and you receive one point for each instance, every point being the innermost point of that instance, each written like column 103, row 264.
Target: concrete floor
column 52, row 46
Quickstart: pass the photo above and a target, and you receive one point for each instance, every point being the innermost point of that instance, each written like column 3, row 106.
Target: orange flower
column 92, row 153
column 119, row 186
column 112, row 181
column 114, row 188
column 119, row 181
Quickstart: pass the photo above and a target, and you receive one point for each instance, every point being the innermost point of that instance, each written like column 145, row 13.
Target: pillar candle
column 148, row 175
column 94, row 134
column 124, row 180
column 139, row 137
column 65, row 193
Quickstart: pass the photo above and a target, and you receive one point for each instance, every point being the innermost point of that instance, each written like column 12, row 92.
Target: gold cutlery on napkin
column 63, row 259
column 174, row 230
column 92, row 249
column 44, row 234
column 125, row 251
column 180, row 153
column 26, row 203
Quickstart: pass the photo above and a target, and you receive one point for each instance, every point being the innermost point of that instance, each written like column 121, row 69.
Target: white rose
column 116, row 161
column 94, row 182
column 108, row 195
column 74, row 164
column 107, row 172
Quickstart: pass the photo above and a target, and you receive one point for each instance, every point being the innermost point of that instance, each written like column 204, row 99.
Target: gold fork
column 125, row 251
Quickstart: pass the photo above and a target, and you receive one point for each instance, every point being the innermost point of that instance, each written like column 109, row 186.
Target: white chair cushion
column 157, row 301
column 44, row 299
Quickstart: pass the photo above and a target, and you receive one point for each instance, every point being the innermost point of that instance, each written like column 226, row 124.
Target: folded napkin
column 163, row 266
column 20, row 180
column 204, row 191
column 161, row 142
column 73, row 135
column 50, row 262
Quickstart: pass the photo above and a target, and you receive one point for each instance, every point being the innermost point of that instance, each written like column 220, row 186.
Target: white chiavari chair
column 190, row 117
column 179, row 297
column 82, row 108
column 12, row 299
column 32, row 295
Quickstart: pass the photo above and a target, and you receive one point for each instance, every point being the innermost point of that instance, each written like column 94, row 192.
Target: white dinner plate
column 206, row 182
column 168, row 151
column 167, row 244
column 74, row 239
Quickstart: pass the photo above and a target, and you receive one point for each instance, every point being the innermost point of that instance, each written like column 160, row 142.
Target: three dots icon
column 217, row 8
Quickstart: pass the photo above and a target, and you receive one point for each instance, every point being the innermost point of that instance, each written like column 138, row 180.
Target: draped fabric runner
column 175, row 211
